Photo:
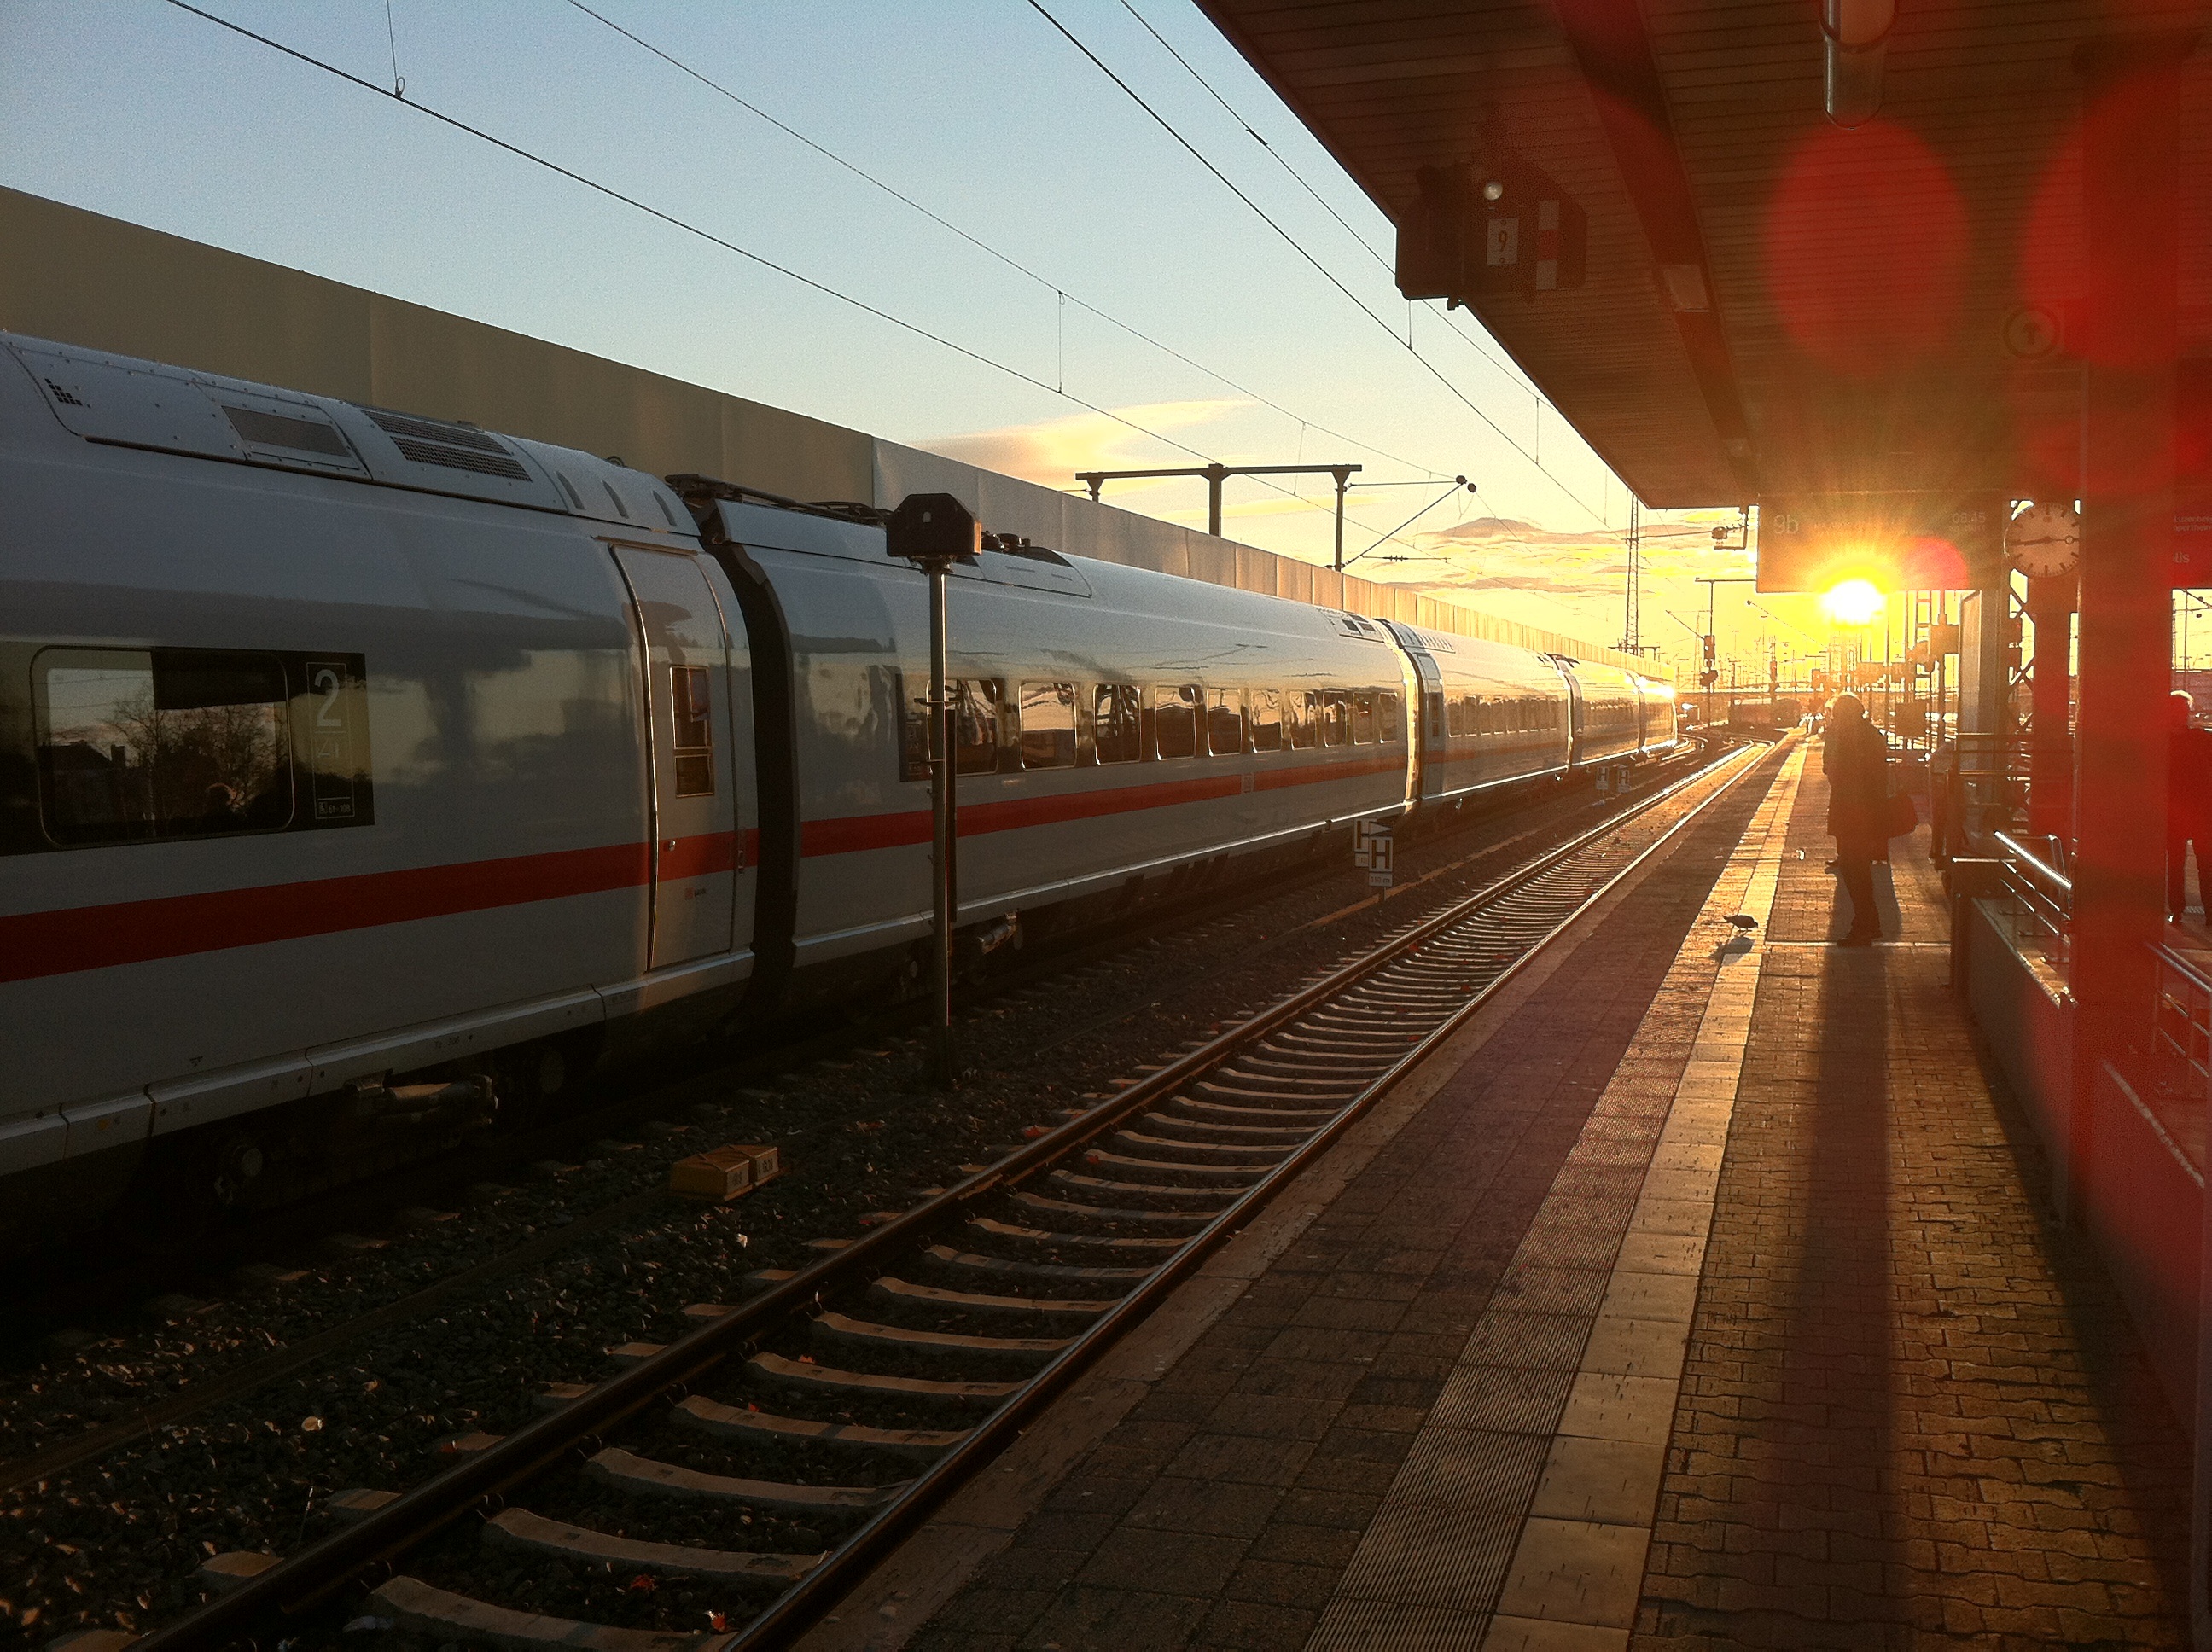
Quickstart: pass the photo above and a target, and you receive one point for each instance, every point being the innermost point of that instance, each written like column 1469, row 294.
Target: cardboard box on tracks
column 725, row 1174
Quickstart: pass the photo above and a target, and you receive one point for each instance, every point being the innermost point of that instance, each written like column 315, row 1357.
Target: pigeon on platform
column 1743, row 921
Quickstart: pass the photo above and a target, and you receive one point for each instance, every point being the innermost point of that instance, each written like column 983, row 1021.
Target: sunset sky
column 1095, row 296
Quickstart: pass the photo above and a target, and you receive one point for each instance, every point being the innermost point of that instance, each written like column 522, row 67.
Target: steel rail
column 365, row 1549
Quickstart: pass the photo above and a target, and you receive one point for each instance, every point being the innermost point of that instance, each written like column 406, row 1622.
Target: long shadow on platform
column 1835, row 1446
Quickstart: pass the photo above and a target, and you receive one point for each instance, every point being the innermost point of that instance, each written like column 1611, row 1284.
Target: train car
column 1119, row 733
column 362, row 773
column 1766, row 715
column 1607, row 713
column 1663, row 717
column 359, row 770
column 1493, row 717
column 336, row 745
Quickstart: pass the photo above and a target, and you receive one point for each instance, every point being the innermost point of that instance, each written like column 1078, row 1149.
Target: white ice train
column 358, row 769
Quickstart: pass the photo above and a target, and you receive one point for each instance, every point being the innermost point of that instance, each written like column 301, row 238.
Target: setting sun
column 1854, row 602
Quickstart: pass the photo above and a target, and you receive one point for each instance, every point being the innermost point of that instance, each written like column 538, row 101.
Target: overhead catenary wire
column 1324, row 271
column 1061, row 295
column 1319, row 200
column 1456, row 484
column 391, row 39
column 688, row 228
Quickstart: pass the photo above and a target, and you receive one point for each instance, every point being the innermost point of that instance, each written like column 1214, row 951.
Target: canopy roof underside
column 1873, row 299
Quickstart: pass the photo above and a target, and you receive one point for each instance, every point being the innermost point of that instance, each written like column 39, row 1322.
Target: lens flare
column 1854, row 602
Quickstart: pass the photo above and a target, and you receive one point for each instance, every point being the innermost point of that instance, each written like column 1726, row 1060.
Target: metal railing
column 2033, row 904
column 2183, row 1016
column 1991, row 781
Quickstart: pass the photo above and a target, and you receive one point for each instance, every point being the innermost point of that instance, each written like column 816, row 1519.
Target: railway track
column 826, row 1415
column 189, row 1390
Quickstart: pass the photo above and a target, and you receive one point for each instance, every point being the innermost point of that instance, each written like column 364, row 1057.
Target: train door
column 1426, row 741
column 694, row 755
column 1577, row 718
column 1428, row 744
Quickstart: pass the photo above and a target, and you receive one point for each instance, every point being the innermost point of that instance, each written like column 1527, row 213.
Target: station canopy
column 1734, row 301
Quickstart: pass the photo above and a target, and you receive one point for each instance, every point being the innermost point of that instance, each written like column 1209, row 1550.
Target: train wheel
column 189, row 1187
column 536, row 1083
column 239, row 1163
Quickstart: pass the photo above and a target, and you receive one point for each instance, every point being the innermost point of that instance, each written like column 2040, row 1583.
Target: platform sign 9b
column 1373, row 851
column 1812, row 543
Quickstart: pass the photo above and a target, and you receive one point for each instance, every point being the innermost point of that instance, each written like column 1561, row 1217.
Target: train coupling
column 458, row 1101
column 987, row 939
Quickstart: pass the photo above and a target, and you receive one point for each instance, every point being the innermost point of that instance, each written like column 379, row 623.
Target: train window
column 1456, row 715
column 974, row 724
column 1392, row 726
column 1224, row 722
column 1436, row 714
column 1302, row 710
column 1335, row 717
column 1117, row 731
column 1266, row 719
column 160, row 742
column 1363, row 717
column 1048, row 725
column 1174, row 719
column 913, row 730
column 691, row 695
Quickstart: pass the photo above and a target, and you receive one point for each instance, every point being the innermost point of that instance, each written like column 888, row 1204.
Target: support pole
column 1216, row 473
column 943, row 1059
column 2049, row 738
column 932, row 532
column 1632, row 628
column 2130, row 260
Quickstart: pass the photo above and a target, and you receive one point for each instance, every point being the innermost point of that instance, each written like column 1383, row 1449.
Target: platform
column 1694, row 1296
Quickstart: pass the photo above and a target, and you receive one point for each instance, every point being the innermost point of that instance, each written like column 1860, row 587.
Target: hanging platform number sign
column 1374, row 851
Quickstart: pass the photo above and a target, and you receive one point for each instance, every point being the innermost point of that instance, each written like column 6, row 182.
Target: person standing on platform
column 2188, row 801
column 1858, row 800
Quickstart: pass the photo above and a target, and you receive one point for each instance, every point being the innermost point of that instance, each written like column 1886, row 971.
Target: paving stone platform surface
column 1914, row 1411
column 1707, row 1305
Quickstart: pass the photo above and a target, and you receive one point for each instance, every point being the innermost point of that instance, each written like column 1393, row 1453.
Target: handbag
column 1900, row 816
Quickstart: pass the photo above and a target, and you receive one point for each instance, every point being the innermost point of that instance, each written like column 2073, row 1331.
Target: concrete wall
column 80, row 278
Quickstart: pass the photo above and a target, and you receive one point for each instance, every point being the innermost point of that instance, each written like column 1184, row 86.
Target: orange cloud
column 1051, row 453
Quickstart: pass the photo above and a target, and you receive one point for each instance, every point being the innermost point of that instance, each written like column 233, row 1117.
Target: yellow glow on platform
column 1854, row 602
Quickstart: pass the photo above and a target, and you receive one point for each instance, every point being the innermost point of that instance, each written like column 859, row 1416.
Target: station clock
column 2044, row 541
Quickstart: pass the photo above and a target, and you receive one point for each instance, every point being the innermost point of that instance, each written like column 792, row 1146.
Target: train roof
column 855, row 532
column 121, row 401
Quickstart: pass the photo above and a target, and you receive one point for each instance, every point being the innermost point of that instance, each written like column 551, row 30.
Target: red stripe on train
column 63, row 942
column 37, row 943
column 857, row 833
